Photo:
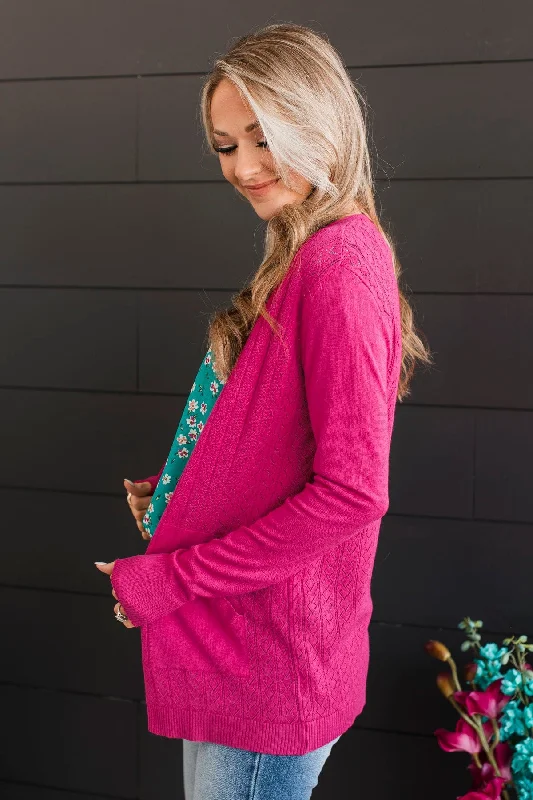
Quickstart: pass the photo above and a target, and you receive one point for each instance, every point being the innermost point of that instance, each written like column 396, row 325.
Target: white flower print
column 204, row 392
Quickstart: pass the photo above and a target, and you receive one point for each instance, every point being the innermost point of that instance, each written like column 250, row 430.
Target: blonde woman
column 253, row 597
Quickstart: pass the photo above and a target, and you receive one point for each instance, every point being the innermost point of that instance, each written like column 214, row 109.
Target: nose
column 250, row 166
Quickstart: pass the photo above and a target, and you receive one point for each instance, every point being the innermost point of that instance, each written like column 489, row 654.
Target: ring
column 120, row 616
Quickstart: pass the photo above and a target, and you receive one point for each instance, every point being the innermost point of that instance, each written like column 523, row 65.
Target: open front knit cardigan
column 253, row 597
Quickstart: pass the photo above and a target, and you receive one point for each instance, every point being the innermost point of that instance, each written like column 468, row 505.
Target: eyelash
column 228, row 150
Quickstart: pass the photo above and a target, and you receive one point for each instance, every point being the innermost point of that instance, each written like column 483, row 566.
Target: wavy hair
column 314, row 119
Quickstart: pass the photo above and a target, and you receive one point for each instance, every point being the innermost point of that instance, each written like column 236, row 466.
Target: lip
column 261, row 188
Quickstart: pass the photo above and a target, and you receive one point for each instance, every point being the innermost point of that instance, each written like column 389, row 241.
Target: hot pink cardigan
column 253, row 597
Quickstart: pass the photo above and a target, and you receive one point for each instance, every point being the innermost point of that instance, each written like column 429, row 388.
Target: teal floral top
column 203, row 395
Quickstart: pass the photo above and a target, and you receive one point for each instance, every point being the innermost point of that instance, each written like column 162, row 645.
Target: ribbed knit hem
column 289, row 739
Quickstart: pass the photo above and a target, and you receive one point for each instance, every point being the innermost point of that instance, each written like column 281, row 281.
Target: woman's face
column 247, row 161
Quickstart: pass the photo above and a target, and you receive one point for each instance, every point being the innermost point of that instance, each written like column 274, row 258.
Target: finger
column 138, row 489
column 138, row 514
column 126, row 622
column 103, row 567
column 144, row 533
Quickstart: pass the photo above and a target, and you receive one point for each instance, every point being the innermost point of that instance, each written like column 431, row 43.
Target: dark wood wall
column 107, row 280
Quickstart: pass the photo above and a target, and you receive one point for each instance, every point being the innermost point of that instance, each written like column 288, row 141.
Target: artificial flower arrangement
column 496, row 710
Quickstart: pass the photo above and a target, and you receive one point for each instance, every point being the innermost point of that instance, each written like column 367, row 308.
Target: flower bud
column 470, row 671
column 445, row 684
column 437, row 650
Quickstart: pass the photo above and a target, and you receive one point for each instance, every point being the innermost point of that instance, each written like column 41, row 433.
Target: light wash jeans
column 218, row 772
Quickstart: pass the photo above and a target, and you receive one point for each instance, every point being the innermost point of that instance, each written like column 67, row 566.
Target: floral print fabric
column 202, row 398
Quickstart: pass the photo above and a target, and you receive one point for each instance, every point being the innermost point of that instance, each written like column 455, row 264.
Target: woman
column 253, row 596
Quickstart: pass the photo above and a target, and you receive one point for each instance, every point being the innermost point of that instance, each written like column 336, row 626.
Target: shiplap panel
column 450, row 235
column 22, row 791
column 133, row 36
column 68, row 741
column 434, row 572
column 98, row 654
column 54, row 131
column 504, row 443
column 130, row 235
column 86, row 441
column 47, row 551
column 482, row 351
column 432, row 462
column 68, row 338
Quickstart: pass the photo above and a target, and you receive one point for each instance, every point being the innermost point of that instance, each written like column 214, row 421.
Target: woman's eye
column 227, row 150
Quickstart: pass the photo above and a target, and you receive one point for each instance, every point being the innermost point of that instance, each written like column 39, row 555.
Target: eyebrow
column 250, row 127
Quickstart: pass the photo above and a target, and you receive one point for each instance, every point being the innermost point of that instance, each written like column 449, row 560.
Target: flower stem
column 490, row 755
column 477, row 726
column 496, row 734
column 454, row 673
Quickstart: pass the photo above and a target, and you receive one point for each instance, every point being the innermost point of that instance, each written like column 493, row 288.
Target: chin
column 266, row 210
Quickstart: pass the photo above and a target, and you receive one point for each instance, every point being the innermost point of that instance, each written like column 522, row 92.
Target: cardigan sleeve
column 345, row 351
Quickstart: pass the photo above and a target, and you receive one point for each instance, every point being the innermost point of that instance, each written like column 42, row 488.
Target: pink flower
column 502, row 755
column 488, row 703
column 464, row 738
column 491, row 791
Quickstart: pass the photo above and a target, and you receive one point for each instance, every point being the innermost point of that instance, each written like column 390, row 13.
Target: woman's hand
column 108, row 569
column 139, row 498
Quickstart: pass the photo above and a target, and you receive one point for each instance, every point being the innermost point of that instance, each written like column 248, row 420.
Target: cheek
column 227, row 169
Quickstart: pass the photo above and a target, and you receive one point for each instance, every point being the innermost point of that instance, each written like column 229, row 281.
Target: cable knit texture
column 253, row 597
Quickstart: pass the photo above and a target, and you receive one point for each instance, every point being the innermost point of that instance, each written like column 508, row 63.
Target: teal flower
column 524, row 788
column 522, row 760
column 489, row 664
column 512, row 721
column 512, row 681
column 528, row 716
column 491, row 652
column 528, row 687
column 487, row 672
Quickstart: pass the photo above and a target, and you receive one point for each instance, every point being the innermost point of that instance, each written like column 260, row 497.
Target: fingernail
column 101, row 562
column 128, row 481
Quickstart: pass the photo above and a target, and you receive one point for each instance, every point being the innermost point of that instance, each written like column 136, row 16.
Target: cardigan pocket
column 204, row 635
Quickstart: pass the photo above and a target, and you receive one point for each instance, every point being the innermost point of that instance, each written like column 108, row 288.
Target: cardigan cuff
column 147, row 586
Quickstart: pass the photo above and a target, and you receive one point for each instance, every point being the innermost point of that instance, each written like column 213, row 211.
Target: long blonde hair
column 311, row 114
